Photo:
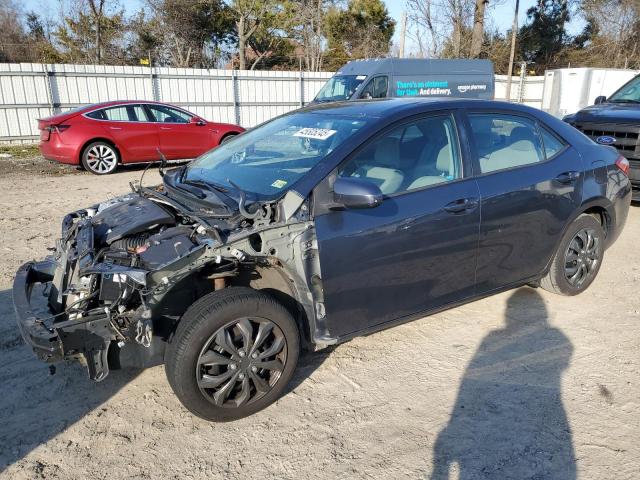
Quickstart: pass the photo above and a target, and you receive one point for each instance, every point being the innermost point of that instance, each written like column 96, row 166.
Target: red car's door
column 135, row 135
column 180, row 137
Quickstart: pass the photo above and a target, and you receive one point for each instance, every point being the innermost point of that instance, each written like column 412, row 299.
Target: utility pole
column 514, row 32
column 403, row 33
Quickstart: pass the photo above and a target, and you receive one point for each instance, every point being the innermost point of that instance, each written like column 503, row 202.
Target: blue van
column 410, row 77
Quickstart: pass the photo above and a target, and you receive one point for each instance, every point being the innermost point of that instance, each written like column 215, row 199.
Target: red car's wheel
column 100, row 158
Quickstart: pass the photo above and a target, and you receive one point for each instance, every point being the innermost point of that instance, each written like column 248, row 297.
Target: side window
column 414, row 155
column 376, row 88
column 168, row 115
column 505, row 141
column 552, row 144
column 118, row 114
column 97, row 114
column 137, row 113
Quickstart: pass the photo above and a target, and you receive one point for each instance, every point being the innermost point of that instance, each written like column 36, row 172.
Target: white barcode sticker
column 315, row 133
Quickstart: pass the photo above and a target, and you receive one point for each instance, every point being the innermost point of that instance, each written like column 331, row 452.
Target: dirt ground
column 523, row 385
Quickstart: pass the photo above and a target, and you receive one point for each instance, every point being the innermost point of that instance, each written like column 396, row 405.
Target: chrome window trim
column 138, row 103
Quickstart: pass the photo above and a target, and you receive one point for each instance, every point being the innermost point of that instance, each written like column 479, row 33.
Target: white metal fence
column 29, row 91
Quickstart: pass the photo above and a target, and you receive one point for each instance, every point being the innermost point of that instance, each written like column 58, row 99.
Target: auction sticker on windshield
column 315, row 133
column 279, row 183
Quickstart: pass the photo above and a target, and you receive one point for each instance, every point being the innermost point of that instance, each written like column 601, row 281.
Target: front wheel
column 233, row 354
column 578, row 259
column 100, row 158
column 228, row 137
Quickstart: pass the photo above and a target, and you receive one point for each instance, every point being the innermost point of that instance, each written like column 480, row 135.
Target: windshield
column 266, row 161
column 340, row 87
column 629, row 93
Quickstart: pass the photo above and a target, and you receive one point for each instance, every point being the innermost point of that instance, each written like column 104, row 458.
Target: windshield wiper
column 197, row 192
column 206, row 185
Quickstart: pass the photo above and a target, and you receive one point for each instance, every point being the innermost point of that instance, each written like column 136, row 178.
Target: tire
column 235, row 326
column 228, row 137
column 578, row 258
column 100, row 158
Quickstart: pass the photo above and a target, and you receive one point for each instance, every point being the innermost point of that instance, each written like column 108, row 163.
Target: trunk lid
column 43, row 123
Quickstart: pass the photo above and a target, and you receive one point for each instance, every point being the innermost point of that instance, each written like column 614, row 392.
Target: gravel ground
column 522, row 385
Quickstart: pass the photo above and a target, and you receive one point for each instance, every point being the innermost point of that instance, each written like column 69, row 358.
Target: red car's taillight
column 57, row 128
column 623, row 164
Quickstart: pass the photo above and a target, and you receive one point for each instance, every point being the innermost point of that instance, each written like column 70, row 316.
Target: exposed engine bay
column 124, row 271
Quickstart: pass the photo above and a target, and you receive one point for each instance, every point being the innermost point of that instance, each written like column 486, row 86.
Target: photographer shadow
column 508, row 421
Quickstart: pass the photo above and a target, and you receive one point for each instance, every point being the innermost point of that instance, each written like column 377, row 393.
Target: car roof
column 392, row 106
column 114, row 103
column 417, row 66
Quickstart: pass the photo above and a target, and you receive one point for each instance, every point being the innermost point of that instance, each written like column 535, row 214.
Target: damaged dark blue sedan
column 321, row 225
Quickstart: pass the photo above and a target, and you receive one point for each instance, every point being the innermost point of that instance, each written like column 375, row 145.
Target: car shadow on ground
column 508, row 421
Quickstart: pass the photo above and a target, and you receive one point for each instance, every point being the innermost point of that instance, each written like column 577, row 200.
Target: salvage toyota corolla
column 321, row 225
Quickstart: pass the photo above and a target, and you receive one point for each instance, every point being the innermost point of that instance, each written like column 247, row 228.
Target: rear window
column 97, row 114
column 552, row 144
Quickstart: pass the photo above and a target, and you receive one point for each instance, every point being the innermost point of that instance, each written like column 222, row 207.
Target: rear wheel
column 233, row 354
column 578, row 259
column 100, row 158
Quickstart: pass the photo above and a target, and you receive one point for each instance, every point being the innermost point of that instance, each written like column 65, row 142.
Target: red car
column 101, row 136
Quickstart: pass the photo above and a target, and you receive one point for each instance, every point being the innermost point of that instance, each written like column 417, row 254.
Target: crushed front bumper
column 44, row 340
column 55, row 339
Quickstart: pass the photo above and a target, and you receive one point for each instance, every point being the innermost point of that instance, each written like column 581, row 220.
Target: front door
column 414, row 252
column 179, row 137
column 530, row 185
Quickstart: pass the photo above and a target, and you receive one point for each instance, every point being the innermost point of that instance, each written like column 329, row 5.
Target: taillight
column 623, row 164
column 57, row 128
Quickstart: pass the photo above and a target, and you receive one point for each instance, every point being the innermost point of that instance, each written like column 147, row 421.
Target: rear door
column 135, row 135
column 179, row 138
column 417, row 250
column 530, row 185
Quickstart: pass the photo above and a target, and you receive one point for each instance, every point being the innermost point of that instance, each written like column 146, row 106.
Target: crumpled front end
column 106, row 281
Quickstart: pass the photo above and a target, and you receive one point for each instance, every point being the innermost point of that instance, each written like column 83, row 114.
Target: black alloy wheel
column 582, row 257
column 578, row 257
column 241, row 362
column 232, row 354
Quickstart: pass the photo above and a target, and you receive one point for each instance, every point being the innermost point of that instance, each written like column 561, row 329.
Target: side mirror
column 198, row 121
column 600, row 99
column 356, row 193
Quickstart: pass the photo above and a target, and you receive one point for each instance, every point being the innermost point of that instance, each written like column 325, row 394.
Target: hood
column 608, row 113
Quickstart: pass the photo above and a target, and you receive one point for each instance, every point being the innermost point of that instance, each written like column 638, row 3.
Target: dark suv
column 321, row 225
column 615, row 121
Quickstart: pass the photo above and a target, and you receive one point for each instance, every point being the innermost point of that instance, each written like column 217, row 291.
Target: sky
column 501, row 15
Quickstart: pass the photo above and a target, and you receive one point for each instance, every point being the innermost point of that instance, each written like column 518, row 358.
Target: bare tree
column 478, row 28
column 435, row 23
column 307, row 18
column 248, row 16
column 616, row 26
column 97, row 11
column 423, row 27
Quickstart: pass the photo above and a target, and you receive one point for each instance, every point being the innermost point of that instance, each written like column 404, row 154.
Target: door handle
column 461, row 205
column 115, row 128
column 165, row 128
column 567, row 177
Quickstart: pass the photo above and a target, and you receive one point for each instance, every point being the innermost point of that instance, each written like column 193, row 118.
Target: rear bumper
column 44, row 340
column 54, row 149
